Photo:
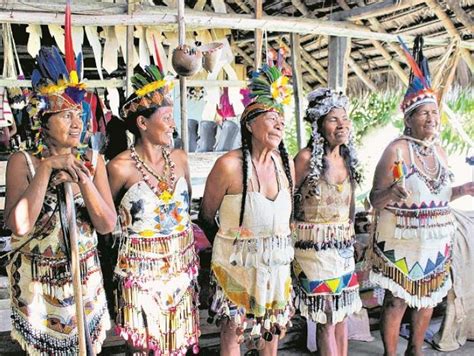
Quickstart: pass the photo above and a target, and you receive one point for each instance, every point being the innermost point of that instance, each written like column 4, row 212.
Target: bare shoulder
column 303, row 156
column 179, row 155
column 230, row 161
column 120, row 163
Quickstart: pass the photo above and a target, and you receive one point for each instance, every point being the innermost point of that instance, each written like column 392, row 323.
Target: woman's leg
column 342, row 338
column 271, row 348
column 326, row 339
column 392, row 314
column 420, row 320
column 229, row 344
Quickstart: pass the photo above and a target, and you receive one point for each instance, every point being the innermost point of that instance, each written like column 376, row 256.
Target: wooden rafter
column 376, row 9
column 396, row 67
column 453, row 32
column 166, row 19
column 361, row 74
column 300, row 5
column 465, row 19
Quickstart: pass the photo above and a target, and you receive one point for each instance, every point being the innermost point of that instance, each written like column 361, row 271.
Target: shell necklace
column 164, row 188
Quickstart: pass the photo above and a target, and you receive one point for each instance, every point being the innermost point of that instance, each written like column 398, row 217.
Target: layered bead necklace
column 164, row 188
column 423, row 153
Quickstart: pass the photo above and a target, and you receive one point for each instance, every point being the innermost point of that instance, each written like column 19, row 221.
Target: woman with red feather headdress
column 414, row 227
column 42, row 295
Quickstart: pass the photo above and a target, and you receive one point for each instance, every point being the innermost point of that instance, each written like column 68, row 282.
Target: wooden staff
column 76, row 272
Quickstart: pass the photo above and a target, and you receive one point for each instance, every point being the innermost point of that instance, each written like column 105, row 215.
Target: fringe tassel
column 38, row 342
column 327, row 308
column 413, row 301
column 270, row 251
column 324, row 236
column 419, row 288
column 178, row 327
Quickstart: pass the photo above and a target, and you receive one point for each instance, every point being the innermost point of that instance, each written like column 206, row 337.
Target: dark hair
column 116, row 141
column 346, row 151
column 246, row 152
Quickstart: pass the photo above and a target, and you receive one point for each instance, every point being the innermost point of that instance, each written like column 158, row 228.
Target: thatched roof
column 376, row 60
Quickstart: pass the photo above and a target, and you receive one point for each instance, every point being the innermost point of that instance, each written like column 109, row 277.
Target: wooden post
column 183, row 92
column 339, row 49
column 130, row 48
column 76, row 271
column 297, row 88
column 258, row 35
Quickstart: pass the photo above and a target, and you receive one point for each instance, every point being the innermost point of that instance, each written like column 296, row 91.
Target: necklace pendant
column 162, row 185
column 339, row 187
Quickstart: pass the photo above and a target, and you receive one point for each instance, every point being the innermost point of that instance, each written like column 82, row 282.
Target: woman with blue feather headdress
column 44, row 320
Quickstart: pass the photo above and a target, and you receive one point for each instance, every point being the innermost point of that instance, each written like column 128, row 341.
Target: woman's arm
column 217, row 184
column 98, row 200
column 462, row 190
column 24, row 199
column 384, row 190
column 301, row 167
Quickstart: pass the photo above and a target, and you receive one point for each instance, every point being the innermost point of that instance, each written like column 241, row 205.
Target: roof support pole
column 339, row 50
column 297, row 88
column 183, row 91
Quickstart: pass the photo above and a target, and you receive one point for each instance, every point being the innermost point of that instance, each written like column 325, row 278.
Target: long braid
column 246, row 151
column 286, row 164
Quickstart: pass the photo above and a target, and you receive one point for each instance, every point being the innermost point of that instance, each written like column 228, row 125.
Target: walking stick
column 69, row 228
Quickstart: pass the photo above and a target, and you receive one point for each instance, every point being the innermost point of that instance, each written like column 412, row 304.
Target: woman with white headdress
column 327, row 289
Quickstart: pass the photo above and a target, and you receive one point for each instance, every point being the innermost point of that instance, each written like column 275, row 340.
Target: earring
column 408, row 131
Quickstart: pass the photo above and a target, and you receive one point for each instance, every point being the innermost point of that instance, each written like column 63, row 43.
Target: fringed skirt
column 157, row 295
column 327, row 289
column 43, row 308
column 413, row 266
column 252, row 285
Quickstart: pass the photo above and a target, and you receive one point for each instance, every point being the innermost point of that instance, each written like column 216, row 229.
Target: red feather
column 157, row 55
column 70, row 63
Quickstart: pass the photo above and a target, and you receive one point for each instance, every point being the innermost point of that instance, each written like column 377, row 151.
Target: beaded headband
column 322, row 100
column 419, row 89
column 151, row 89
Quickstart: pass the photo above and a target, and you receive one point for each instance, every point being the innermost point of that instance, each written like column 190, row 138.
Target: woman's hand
column 75, row 170
column 397, row 193
column 63, row 177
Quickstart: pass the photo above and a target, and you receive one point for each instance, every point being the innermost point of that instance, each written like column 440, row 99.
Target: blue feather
column 60, row 62
column 79, row 66
column 36, row 78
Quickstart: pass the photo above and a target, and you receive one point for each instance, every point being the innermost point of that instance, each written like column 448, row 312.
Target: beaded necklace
column 164, row 188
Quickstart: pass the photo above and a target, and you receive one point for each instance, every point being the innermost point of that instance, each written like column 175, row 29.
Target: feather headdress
column 151, row 89
column 268, row 91
column 57, row 83
column 419, row 89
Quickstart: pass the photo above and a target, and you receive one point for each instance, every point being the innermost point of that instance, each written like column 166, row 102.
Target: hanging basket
column 211, row 55
column 186, row 60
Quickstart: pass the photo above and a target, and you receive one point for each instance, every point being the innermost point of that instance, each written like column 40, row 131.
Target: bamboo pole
column 76, row 271
column 297, row 89
column 183, row 92
column 130, row 48
column 258, row 35
column 162, row 16
column 385, row 54
column 462, row 16
column 361, row 74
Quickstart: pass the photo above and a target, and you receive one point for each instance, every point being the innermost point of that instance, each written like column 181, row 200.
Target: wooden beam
column 166, row 19
column 297, row 88
column 258, row 35
column 243, row 6
column 375, row 9
column 244, row 55
column 130, row 49
column 453, row 32
column 321, row 75
column 300, row 5
column 461, row 15
column 339, row 50
column 396, row 67
column 361, row 74
column 183, row 91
